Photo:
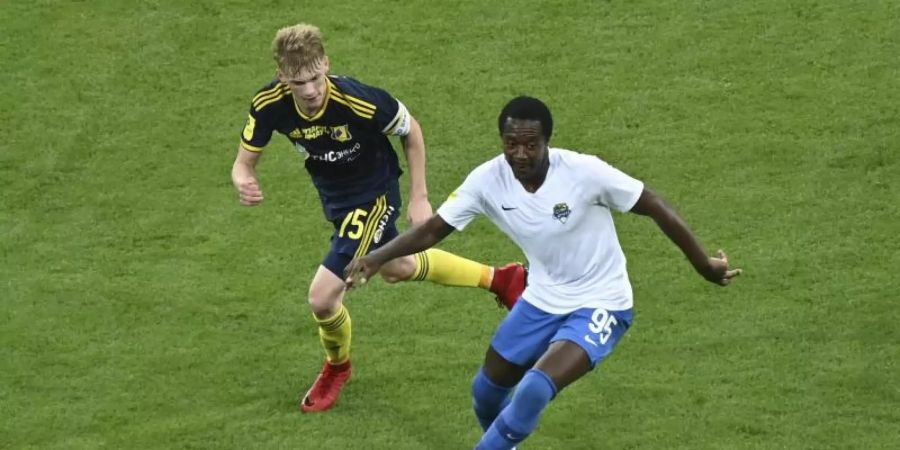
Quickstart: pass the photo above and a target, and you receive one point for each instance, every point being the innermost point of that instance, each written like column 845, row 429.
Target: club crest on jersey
column 341, row 133
column 561, row 212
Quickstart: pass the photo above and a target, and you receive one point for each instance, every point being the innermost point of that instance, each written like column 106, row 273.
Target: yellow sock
column 448, row 269
column 334, row 332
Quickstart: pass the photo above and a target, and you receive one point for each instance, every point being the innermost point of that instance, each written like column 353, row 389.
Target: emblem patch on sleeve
column 248, row 129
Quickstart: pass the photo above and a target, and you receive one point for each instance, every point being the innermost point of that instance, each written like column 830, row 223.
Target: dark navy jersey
column 345, row 145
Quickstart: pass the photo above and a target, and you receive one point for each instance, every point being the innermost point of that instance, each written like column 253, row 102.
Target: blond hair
column 298, row 48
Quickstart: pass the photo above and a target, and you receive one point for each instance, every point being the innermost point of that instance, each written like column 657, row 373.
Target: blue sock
column 488, row 399
column 518, row 420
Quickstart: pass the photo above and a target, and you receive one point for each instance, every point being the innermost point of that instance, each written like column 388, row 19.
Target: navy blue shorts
column 362, row 228
column 527, row 332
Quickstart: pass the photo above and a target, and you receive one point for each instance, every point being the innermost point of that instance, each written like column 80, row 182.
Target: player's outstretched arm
column 714, row 269
column 419, row 209
column 416, row 239
column 243, row 175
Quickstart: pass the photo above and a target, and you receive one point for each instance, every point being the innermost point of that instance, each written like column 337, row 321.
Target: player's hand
column 718, row 271
column 358, row 272
column 419, row 211
column 250, row 193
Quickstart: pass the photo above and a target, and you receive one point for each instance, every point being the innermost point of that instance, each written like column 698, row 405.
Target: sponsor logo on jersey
column 296, row 134
column 342, row 155
column 313, row 132
column 561, row 212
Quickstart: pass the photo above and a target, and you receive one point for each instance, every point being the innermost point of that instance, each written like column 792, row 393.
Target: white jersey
column 565, row 228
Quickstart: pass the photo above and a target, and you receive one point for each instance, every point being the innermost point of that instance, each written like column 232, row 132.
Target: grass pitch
column 143, row 308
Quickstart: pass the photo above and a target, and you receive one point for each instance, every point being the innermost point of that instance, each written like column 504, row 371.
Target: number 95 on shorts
column 527, row 332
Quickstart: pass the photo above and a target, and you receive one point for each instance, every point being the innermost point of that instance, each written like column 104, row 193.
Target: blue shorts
column 527, row 332
column 362, row 228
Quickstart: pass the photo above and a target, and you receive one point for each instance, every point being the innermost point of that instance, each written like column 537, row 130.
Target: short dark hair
column 527, row 108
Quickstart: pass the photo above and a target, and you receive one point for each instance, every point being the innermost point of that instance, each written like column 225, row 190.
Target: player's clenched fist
column 250, row 193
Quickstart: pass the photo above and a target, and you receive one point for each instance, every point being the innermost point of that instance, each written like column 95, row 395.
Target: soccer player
column 340, row 127
column 556, row 205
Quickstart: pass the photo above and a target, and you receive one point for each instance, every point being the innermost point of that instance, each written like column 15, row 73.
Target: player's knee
column 323, row 305
column 391, row 278
column 477, row 383
column 536, row 388
column 486, row 392
column 325, row 293
column 397, row 270
column 481, row 386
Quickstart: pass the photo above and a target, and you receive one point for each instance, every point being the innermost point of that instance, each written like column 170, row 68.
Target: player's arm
column 256, row 134
column 243, row 175
column 419, row 238
column 414, row 148
column 714, row 269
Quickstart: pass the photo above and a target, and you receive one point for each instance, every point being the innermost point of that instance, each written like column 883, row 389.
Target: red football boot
column 509, row 283
column 324, row 392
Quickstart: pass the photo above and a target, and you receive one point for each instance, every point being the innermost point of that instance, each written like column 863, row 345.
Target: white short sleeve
column 610, row 186
column 463, row 204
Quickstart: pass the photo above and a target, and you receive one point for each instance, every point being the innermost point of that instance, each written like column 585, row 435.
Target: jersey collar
column 316, row 116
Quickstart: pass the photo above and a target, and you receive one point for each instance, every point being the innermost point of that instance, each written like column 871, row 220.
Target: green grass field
column 142, row 307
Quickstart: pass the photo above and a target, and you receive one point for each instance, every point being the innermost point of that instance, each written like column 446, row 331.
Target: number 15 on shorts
column 355, row 220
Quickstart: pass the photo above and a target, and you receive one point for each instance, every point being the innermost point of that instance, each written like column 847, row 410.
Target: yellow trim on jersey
column 355, row 111
column 358, row 110
column 362, row 103
column 371, row 225
column 269, row 100
column 250, row 148
column 354, row 102
column 269, row 96
column 268, row 92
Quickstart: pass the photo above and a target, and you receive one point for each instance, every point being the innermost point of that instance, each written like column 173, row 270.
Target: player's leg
column 491, row 387
column 533, row 394
column 520, row 339
column 441, row 267
column 587, row 337
column 354, row 231
column 326, row 294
